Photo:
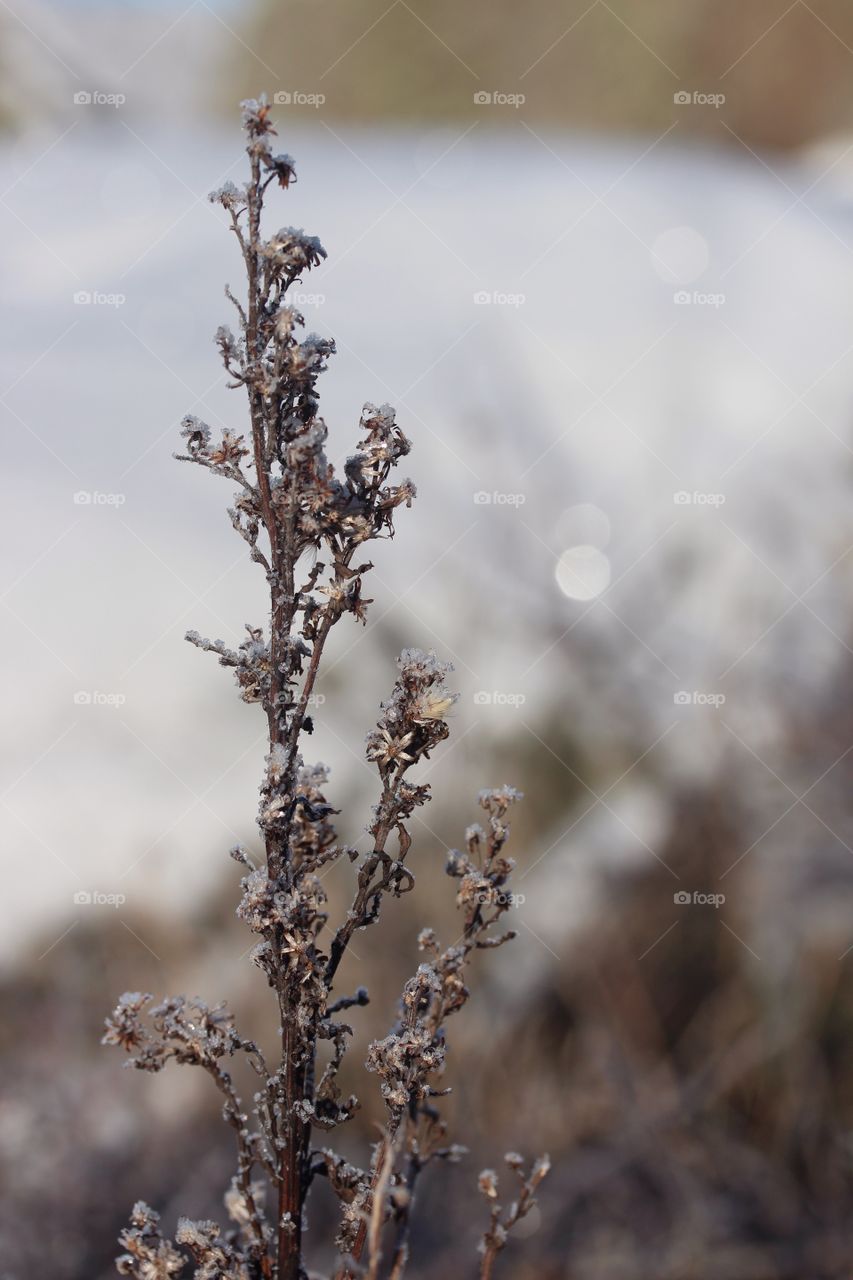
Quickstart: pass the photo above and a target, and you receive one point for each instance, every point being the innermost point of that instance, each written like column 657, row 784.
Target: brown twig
column 292, row 508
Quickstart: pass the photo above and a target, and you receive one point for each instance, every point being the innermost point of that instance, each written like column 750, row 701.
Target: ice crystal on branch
column 148, row 1256
column 306, row 526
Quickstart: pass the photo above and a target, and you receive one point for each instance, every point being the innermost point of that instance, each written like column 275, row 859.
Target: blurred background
column 599, row 257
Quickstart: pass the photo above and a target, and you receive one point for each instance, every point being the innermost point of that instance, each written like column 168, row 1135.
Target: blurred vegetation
column 697, row 1107
column 786, row 70
column 695, row 1093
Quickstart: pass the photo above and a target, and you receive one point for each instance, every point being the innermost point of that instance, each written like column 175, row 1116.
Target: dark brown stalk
column 295, row 505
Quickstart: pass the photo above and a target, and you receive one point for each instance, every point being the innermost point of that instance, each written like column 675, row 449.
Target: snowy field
column 628, row 373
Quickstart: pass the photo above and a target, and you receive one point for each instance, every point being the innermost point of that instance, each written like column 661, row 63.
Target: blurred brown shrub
column 785, row 68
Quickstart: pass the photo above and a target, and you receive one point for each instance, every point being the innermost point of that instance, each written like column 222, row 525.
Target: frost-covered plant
column 306, row 528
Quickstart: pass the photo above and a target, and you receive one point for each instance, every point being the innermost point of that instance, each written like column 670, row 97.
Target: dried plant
column 306, row 527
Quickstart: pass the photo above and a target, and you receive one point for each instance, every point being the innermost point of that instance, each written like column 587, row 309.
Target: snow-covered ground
column 628, row 372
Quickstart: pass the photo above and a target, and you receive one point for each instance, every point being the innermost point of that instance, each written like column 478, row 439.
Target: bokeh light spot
column 583, row 572
column 680, row 255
